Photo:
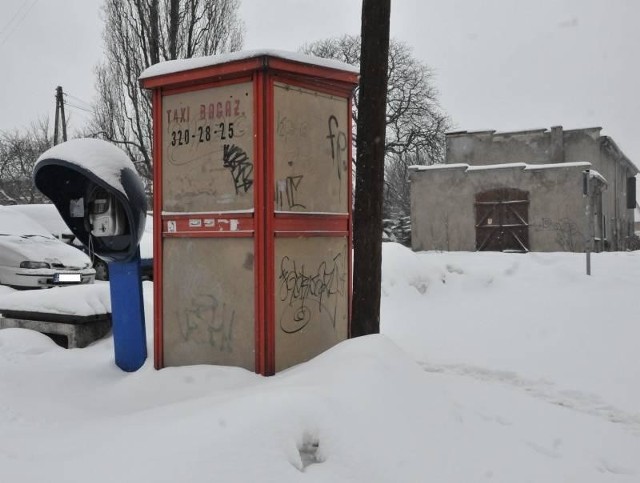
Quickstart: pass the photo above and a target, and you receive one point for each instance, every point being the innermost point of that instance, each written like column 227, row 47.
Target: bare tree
column 397, row 195
column 370, row 146
column 138, row 34
column 397, row 199
column 415, row 122
column 18, row 153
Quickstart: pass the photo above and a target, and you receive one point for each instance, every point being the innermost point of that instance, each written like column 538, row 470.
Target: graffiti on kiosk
column 338, row 141
column 310, row 295
column 288, row 128
column 207, row 321
column 237, row 161
column 208, row 148
column 287, row 194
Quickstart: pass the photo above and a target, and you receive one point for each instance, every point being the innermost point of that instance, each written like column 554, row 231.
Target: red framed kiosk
column 252, row 178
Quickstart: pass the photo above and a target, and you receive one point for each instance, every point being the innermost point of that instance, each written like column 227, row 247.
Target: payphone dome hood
column 66, row 171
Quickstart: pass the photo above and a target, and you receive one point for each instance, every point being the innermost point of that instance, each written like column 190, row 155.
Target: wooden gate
column 502, row 220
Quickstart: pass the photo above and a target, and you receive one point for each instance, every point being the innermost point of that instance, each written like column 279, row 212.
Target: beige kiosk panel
column 208, row 299
column 207, row 149
column 311, row 290
column 310, row 150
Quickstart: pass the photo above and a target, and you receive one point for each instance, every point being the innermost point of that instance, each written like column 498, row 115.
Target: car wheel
column 102, row 271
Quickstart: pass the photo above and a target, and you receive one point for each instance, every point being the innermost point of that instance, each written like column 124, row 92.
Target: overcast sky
column 499, row 64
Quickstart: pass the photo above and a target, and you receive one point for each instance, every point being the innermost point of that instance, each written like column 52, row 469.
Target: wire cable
column 77, row 99
column 16, row 24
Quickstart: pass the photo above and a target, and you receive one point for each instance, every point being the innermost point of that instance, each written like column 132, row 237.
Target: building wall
column 557, row 146
column 489, row 147
column 443, row 212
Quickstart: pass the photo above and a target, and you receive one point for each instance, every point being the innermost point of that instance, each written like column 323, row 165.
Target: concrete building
column 524, row 191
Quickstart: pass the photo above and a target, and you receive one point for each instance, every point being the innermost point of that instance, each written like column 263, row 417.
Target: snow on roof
column 418, row 167
column 95, row 155
column 593, row 174
column 574, row 164
column 484, row 167
column 180, row 65
column 524, row 166
column 521, row 131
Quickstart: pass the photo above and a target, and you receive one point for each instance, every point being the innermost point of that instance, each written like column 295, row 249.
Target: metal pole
column 589, row 242
column 57, row 122
column 127, row 314
column 62, row 118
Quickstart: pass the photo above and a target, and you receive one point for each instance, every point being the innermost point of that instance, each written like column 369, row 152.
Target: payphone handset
column 106, row 216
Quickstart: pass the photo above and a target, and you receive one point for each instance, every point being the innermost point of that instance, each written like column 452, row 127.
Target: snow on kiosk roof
column 246, row 60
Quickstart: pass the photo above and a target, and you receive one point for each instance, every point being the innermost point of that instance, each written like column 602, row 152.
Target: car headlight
column 30, row 264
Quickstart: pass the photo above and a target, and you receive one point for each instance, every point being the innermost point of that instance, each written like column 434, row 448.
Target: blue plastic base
column 127, row 314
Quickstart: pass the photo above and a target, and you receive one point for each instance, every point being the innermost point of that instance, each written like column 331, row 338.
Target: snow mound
column 23, row 341
column 402, row 268
column 77, row 300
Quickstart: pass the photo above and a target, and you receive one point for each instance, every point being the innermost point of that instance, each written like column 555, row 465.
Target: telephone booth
column 252, row 182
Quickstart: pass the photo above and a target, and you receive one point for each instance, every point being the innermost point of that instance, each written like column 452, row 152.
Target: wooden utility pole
column 370, row 144
column 60, row 118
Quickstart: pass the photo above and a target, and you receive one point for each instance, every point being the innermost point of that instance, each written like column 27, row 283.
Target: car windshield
column 13, row 223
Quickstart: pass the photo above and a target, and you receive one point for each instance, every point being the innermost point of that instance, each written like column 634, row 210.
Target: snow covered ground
column 490, row 367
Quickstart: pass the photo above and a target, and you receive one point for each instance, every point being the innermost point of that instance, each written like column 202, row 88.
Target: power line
column 6, row 26
column 84, row 118
column 13, row 28
column 77, row 99
column 79, row 107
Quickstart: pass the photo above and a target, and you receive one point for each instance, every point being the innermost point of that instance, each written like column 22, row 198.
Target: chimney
column 556, row 145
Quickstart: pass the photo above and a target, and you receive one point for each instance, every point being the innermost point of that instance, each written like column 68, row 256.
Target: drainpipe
column 615, row 206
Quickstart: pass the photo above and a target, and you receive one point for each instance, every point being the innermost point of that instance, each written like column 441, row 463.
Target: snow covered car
column 47, row 215
column 31, row 257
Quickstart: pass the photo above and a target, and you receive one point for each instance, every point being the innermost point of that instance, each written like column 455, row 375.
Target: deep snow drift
column 490, row 367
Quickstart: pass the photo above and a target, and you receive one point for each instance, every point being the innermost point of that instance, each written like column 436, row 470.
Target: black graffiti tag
column 237, row 161
column 338, row 140
column 323, row 287
column 290, row 187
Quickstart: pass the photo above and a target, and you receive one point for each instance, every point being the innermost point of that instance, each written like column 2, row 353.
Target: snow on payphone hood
column 101, row 158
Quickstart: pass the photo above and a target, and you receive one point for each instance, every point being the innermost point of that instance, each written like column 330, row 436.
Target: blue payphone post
column 95, row 187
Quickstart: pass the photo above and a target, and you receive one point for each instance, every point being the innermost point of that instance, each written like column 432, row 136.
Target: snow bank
column 496, row 367
column 535, row 318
